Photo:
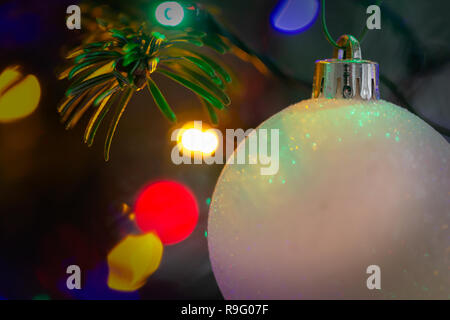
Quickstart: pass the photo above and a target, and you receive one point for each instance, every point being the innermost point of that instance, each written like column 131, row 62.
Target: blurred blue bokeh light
column 294, row 16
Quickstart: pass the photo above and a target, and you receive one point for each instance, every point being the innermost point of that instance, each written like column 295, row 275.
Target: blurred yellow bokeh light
column 194, row 139
column 19, row 94
column 133, row 260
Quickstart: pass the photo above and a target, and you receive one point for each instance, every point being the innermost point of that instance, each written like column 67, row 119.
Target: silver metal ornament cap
column 346, row 76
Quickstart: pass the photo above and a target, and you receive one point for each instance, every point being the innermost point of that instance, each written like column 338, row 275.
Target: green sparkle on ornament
column 208, row 201
column 293, row 161
column 307, row 135
column 283, row 181
column 270, row 180
column 388, row 135
column 206, row 234
column 397, row 138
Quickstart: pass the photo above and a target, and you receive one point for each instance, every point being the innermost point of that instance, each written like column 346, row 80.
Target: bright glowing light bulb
column 210, row 142
column 196, row 140
column 191, row 139
column 169, row 13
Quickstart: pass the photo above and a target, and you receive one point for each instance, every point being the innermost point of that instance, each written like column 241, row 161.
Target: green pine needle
column 122, row 63
column 160, row 101
column 193, row 87
column 120, row 109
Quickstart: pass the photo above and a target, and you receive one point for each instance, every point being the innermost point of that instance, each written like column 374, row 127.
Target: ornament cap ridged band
column 346, row 75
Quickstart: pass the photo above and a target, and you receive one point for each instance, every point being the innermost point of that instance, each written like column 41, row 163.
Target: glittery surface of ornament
column 360, row 183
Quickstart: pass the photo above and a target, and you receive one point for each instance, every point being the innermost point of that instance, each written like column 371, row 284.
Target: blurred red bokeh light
column 167, row 208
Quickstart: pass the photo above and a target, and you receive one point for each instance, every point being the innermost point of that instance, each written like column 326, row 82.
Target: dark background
column 59, row 200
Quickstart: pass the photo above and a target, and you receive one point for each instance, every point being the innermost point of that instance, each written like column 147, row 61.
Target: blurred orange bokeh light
column 19, row 94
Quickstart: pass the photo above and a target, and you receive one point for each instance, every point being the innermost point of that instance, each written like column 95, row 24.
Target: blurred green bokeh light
column 169, row 13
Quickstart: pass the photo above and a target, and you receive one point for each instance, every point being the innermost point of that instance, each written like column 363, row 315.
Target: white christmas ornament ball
column 360, row 183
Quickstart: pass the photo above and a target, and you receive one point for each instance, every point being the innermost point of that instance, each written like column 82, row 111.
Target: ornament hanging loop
column 349, row 48
column 346, row 75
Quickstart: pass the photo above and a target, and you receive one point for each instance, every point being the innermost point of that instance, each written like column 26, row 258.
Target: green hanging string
column 328, row 35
